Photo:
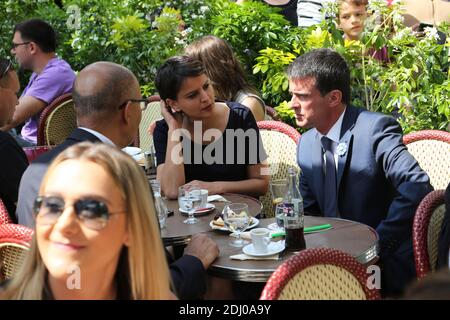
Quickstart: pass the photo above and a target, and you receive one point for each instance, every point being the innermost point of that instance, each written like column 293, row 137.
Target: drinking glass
column 278, row 190
column 237, row 218
column 279, row 215
column 189, row 199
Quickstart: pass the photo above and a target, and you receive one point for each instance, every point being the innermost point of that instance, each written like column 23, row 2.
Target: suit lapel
column 345, row 141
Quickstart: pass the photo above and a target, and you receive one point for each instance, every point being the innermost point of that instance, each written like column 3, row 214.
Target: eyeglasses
column 143, row 103
column 15, row 45
column 8, row 66
column 94, row 214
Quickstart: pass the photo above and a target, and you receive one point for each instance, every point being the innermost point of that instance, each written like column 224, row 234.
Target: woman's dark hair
column 171, row 74
column 327, row 67
column 5, row 66
column 38, row 31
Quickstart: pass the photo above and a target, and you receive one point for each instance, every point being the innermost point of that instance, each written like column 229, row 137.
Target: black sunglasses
column 93, row 213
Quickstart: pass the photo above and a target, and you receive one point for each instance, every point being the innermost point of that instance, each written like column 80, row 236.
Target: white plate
column 254, row 223
column 208, row 206
column 132, row 151
column 274, row 227
column 272, row 248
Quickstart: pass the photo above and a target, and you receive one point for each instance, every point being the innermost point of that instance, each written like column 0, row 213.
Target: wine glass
column 189, row 199
column 237, row 218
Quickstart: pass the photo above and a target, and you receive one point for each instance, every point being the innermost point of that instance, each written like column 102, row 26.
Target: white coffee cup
column 260, row 238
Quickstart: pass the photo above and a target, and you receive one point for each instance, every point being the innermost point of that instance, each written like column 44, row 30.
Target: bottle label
column 292, row 218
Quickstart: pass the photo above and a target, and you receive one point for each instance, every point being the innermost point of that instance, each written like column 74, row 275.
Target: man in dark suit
column 106, row 97
column 354, row 163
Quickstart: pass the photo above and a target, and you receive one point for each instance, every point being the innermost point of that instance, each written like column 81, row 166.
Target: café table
column 357, row 239
column 177, row 233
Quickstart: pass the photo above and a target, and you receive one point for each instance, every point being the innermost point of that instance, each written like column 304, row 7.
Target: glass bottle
column 293, row 214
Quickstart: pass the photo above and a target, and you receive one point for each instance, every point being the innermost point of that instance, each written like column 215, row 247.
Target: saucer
column 254, row 223
column 201, row 211
column 272, row 248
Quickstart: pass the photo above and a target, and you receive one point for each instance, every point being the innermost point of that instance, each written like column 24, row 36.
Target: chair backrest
column 57, row 121
column 319, row 274
column 14, row 244
column 151, row 114
column 426, row 230
column 271, row 114
column 431, row 148
column 4, row 216
column 280, row 142
column 33, row 152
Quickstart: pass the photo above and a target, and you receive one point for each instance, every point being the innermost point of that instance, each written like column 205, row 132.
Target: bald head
column 100, row 88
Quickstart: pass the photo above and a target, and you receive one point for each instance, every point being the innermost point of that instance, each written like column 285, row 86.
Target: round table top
column 175, row 232
column 357, row 239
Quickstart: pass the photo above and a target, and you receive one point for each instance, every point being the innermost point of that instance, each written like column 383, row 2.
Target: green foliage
column 414, row 85
column 252, row 27
column 141, row 34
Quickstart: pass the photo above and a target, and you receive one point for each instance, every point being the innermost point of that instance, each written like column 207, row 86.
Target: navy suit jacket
column 379, row 182
column 188, row 274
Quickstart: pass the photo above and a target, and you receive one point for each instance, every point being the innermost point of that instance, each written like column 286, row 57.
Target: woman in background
column 226, row 74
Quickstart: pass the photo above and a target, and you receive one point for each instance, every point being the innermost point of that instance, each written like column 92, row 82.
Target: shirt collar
column 334, row 133
column 100, row 136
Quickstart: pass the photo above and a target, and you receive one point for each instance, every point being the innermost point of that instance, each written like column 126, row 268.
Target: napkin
column 244, row 235
column 217, row 197
column 244, row 256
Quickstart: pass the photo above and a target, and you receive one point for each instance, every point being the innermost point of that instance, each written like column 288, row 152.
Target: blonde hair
column 222, row 66
column 144, row 266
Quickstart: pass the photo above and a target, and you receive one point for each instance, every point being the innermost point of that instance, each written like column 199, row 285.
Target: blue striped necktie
column 330, row 192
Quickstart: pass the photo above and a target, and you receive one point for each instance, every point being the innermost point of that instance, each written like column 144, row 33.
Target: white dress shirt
column 334, row 135
column 100, row 136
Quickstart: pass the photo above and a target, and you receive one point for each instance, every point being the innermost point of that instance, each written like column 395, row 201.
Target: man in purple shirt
column 34, row 46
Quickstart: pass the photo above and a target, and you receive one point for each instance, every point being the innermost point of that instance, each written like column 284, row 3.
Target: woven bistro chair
column 57, row 121
column 426, row 230
column 319, row 274
column 431, row 148
column 151, row 114
column 280, row 142
column 14, row 244
column 4, row 216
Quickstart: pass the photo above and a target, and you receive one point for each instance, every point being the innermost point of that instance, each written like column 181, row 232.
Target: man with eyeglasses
column 108, row 107
column 34, row 45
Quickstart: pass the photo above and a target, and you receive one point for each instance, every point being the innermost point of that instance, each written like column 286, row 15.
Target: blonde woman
column 225, row 73
column 96, row 233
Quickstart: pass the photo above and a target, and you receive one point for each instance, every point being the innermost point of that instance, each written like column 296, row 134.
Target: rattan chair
column 280, row 142
column 431, row 148
column 319, row 274
column 426, row 230
column 151, row 114
column 57, row 121
column 14, row 244
column 4, row 216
